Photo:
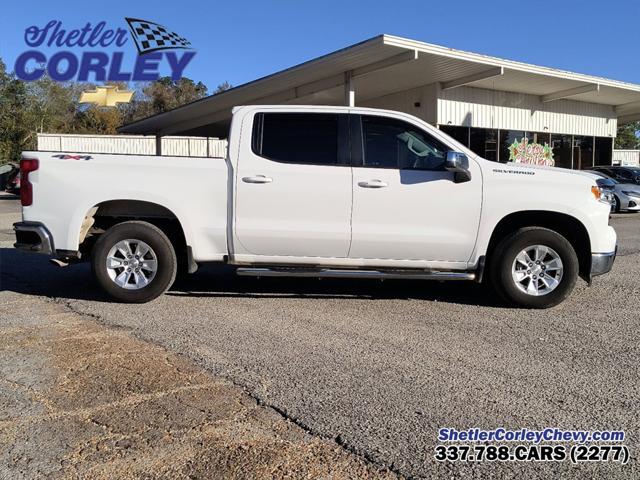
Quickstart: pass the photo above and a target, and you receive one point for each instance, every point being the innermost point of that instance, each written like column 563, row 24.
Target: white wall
column 193, row 147
column 405, row 102
column 477, row 107
column 132, row 144
column 468, row 106
column 626, row 157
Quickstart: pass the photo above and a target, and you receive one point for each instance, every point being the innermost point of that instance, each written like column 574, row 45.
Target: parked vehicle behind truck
column 320, row 192
column 625, row 196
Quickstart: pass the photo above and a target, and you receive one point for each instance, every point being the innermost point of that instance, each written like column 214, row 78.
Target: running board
column 338, row 273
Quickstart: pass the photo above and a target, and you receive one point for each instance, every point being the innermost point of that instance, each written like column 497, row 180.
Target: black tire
column 503, row 258
column 154, row 237
column 616, row 207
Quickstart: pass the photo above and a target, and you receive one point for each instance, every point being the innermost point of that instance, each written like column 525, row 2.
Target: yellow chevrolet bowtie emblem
column 106, row 96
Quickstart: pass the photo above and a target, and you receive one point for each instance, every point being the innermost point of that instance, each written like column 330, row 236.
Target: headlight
column 597, row 193
column 631, row 193
column 600, row 195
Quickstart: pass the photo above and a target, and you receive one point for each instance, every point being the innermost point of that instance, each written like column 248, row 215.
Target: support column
column 349, row 90
column 158, row 145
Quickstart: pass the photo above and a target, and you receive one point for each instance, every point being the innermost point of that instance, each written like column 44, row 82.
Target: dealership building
column 487, row 103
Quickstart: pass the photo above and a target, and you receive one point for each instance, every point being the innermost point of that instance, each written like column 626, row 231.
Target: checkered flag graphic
column 150, row 36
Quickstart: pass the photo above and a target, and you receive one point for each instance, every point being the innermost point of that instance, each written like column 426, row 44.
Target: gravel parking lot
column 376, row 368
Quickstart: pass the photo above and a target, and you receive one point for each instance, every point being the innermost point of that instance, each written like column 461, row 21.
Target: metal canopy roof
column 386, row 64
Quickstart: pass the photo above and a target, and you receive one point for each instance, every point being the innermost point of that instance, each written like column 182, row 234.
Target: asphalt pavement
column 378, row 367
column 81, row 399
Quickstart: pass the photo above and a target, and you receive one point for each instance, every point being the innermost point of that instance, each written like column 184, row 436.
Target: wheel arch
column 566, row 225
column 107, row 213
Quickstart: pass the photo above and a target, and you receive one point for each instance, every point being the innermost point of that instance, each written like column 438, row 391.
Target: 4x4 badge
column 73, row 157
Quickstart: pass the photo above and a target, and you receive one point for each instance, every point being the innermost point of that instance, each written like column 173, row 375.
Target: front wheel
column 616, row 205
column 534, row 268
column 134, row 262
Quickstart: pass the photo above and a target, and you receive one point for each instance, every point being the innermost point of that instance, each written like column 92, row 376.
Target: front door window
column 391, row 143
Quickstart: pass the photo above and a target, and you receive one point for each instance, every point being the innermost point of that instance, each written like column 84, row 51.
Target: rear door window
column 301, row 138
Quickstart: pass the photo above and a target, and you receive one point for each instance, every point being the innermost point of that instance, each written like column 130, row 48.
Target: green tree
column 52, row 106
column 162, row 95
column 13, row 131
column 98, row 120
column 27, row 108
column 223, row 87
column 628, row 137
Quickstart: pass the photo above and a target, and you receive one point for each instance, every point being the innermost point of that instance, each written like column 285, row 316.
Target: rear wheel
column 534, row 268
column 134, row 262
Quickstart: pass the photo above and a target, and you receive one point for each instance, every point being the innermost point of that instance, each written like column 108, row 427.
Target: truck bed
column 194, row 189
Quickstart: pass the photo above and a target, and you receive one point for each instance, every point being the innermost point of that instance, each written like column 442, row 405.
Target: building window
column 539, row 137
column 507, row 138
column 484, row 142
column 582, row 152
column 569, row 151
column 603, row 151
column 460, row 134
column 561, row 145
column 306, row 138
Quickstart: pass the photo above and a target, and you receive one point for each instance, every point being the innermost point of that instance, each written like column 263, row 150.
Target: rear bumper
column 602, row 263
column 33, row 237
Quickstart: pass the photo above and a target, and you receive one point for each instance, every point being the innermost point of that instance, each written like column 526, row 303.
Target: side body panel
column 194, row 189
column 425, row 221
column 419, row 215
column 299, row 210
column 414, row 214
column 511, row 188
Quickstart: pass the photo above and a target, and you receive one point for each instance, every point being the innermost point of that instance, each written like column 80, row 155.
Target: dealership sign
column 531, row 153
column 155, row 44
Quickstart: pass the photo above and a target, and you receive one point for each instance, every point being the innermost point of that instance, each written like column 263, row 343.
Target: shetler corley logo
column 154, row 43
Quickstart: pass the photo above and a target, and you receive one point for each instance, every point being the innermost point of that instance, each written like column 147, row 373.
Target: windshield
column 605, row 182
column 604, row 177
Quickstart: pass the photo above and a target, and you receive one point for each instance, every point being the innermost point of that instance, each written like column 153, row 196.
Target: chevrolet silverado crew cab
column 314, row 191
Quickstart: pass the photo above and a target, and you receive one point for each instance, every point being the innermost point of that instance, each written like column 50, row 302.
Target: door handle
column 257, row 179
column 373, row 184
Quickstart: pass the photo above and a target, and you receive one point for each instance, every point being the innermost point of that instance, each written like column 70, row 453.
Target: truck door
column 293, row 185
column 405, row 205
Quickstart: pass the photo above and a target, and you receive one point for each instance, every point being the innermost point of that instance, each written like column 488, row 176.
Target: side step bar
column 339, row 273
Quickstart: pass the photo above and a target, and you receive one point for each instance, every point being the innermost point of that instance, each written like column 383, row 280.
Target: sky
column 239, row 41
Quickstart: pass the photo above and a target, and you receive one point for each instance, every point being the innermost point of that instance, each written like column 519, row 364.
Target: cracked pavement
column 82, row 400
column 374, row 369
column 79, row 399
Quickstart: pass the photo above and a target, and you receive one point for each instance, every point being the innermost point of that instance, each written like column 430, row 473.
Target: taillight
column 27, row 165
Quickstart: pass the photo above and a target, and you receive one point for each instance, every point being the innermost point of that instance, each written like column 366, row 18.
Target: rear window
column 304, row 138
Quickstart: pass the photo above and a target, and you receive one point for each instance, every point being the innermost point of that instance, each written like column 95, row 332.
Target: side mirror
column 458, row 163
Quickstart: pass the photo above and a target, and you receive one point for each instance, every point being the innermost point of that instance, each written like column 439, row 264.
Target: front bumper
column 602, row 263
column 633, row 204
column 33, row 237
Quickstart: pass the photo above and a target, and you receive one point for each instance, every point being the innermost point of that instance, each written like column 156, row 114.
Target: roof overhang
column 386, row 64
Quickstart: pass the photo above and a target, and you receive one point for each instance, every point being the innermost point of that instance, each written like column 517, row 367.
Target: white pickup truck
column 319, row 192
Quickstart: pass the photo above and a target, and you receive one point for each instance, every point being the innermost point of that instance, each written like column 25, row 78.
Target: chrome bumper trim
column 602, row 263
